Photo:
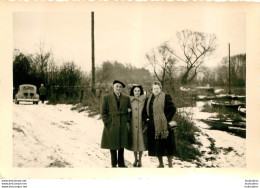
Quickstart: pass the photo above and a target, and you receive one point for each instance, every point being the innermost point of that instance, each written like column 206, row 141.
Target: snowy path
column 55, row 136
column 230, row 150
column 52, row 136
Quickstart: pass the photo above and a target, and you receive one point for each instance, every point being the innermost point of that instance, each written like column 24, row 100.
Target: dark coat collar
column 113, row 96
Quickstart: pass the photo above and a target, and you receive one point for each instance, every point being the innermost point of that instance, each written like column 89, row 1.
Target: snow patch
column 56, row 136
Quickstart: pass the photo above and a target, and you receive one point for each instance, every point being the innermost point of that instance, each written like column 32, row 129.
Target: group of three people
column 138, row 123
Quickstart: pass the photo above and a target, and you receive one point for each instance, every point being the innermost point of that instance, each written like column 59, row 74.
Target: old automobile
column 27, row 93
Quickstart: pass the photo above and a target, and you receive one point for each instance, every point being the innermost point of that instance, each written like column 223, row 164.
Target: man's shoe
column 122, row 166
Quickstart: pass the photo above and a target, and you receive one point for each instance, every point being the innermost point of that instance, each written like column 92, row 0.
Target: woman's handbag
column 172, row 125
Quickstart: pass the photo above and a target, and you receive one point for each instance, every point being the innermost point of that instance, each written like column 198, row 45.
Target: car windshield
column 27, row 88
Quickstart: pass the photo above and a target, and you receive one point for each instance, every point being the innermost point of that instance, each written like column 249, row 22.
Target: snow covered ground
column 230, row 150
column 55, row 136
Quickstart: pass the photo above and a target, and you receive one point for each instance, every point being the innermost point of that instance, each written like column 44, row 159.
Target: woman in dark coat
column 158, row 111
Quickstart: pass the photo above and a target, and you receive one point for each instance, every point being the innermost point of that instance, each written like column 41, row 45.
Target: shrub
column 185, row 138
column 65, row 97
column 90, row 101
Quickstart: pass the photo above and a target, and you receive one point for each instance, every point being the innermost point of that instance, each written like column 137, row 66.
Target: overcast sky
column 125, row 35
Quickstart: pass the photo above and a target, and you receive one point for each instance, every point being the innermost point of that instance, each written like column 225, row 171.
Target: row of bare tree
column 220, row 74
column 41, row 68
column 109, row 71
column 182, row 61
column 191, row 50
column 173, row 63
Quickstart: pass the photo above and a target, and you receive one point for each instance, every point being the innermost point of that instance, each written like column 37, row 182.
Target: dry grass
column 185, row 139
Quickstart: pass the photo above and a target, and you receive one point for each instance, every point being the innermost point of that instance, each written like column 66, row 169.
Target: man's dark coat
column 115, row 118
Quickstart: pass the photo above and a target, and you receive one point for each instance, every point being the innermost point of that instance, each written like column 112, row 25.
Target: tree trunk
column 193, row 76
column 184, row 79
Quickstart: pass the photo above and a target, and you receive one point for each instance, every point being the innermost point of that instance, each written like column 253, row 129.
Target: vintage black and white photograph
column 143, row 87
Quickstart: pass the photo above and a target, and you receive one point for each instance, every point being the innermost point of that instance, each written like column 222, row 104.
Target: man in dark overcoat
column 114, row 111
column 42, row 92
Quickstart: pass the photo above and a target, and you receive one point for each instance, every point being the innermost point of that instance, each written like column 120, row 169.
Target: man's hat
column 117, row 81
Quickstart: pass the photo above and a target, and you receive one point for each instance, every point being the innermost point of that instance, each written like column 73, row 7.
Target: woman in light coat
column 139, row 144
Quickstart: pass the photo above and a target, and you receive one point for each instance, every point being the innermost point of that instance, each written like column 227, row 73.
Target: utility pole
column 93, row 89
column 229, row 71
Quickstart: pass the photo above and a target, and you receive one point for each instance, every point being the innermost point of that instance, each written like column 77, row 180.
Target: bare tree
column 238, row 69
column 162, row 62
column 103, row 73
column 206, row 75
column 52, row 72
column 194, row 48
column 40, row 61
